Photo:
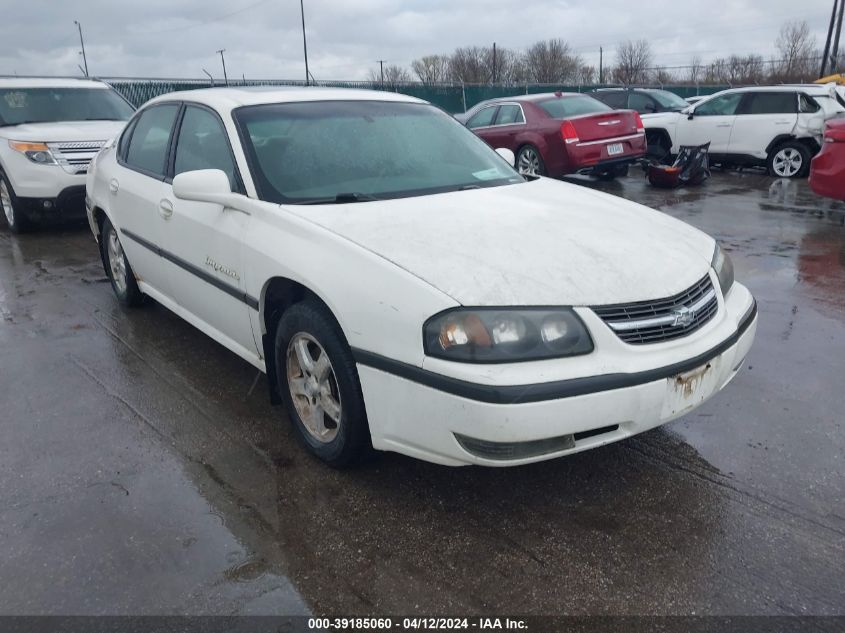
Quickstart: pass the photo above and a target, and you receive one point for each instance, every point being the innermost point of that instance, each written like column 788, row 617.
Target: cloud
column 263, row 38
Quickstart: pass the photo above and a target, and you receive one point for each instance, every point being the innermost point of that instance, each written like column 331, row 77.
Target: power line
column 216, row 18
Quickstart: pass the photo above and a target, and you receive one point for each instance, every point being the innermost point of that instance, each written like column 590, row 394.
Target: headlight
column 724, row 268
column 497, row 335
column 36, row 152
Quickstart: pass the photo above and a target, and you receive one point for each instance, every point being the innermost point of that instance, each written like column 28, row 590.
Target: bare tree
column 587, row 74
column 431, row 69
column 552, row 61
column 394, row 76
column 695, row 71
column 797, row 48
column 633, row 60
column 470, row 65
column 662, row 75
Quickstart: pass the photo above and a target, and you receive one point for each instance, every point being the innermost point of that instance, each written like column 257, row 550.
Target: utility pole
column 834, row 57
column 825, row 56
column 304, row 43
column 601, row 65
column 381, row 66
column 494, row 62
column 82, row 43
column 223, row 59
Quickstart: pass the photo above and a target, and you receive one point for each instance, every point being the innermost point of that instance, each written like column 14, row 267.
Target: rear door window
column 482, row 118
column 770, row 103
column 148, row 146
column 509, row 115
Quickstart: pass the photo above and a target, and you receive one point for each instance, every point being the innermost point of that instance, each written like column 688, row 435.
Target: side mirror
column 203, row 185
column 689, row 111
column 508, row 155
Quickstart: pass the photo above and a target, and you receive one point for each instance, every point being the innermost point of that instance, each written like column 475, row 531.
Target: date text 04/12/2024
column 417, row 623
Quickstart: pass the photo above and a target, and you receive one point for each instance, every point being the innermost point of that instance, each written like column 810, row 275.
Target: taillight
column 568, row 133
column 834, row 136
column 639, row 123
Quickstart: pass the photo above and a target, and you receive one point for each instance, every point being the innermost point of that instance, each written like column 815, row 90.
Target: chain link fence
column 451, row 97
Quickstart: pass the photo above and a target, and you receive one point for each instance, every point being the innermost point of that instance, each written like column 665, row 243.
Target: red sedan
column 827, row 169
column 561, row 133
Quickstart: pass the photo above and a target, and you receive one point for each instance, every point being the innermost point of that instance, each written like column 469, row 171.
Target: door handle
column 114, row 185
column 165, row 208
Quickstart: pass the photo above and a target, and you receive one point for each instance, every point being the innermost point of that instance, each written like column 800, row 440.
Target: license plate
column 688, row 390
column 615, row 148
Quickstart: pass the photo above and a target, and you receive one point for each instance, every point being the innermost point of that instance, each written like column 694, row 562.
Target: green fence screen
column 451, row 97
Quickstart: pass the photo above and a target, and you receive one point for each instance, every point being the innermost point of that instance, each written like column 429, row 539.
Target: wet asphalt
column 143, row 471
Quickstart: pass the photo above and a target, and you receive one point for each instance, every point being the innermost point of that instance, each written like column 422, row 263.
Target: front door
column 710, row 122
column 203, row 242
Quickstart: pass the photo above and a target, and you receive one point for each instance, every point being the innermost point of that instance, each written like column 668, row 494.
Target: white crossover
column 779, row 127
column 50, row 129
column 402, row 286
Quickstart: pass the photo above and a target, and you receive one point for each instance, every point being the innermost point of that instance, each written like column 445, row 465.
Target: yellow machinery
column 838, row 79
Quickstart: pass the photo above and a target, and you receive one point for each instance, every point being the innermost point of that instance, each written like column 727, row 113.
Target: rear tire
column 617, row 171
column 117, row 266
column 318, row 381
column 789, row 160
column 529, row 162
column 17, row 221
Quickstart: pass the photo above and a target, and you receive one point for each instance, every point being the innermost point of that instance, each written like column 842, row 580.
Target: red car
column 827, row 169
column 561, row 133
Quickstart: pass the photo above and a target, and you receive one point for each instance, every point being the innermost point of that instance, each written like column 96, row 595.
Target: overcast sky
column 263, row 39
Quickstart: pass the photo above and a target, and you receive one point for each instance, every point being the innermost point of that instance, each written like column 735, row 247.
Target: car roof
column 50, row 82
column 812, row 89
column 233, row 97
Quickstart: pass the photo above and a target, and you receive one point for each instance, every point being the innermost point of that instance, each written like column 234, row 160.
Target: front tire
column 789, row 160
column 318, row 380
column 117, row 266
column 18, row 223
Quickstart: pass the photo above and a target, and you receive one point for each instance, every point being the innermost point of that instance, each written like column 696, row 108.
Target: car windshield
column 49, row 105
column 668, row 99
column 568, row 106
column 352, row 151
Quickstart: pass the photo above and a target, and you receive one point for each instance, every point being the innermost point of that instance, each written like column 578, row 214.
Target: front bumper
column 431, row 416
column 68, row 205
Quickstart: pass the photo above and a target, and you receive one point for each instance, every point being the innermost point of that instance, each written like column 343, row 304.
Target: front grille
column 664, row 319
column 75, row 156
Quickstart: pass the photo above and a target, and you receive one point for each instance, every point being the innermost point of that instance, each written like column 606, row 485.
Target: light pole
column 223, row 59
column 82, row 43
column 304, row 42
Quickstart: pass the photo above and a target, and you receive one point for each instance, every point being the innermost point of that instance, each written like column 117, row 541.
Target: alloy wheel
column 313, row 387
column 787, row 162
column 528, row 163
column 117, row 262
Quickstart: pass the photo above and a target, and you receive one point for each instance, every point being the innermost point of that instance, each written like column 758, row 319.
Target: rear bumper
column 455, row 422
column 827, row 171
column 593, row 156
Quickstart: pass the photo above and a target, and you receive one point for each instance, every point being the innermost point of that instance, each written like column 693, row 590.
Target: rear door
column 760, row 118
column 509, row 121
column 135, row 190
column 711, row 122
column 204, row 242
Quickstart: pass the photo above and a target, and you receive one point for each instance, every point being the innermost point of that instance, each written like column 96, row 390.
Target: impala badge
column 222, row 269
column 682, row 316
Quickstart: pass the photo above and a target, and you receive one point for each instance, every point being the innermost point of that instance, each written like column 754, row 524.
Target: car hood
column 63, row 131
column 536, row 243
column 672, row 116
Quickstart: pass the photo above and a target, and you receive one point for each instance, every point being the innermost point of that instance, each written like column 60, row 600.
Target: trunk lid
column 595, row 127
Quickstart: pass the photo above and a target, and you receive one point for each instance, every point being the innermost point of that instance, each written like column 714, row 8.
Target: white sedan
column 402, row 286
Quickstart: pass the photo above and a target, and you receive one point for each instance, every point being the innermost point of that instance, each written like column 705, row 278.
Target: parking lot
column 144, row 471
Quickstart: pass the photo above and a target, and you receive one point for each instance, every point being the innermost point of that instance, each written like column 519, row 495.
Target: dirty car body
column 473, row 316
column 567, row 132
column 827, row 171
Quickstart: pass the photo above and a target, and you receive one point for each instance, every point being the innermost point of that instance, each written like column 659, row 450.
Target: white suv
column 777, row 126
column 50, row 129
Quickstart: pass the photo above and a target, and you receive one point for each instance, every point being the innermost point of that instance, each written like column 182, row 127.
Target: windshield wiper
column 102, row 118
column 341, row 198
